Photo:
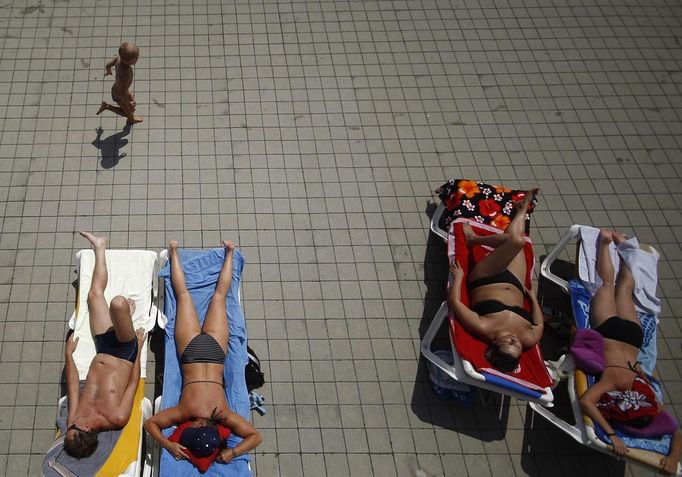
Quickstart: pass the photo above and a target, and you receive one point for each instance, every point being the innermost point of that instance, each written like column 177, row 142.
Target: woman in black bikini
column 613, row 315
column 497, row 294
column 203, row 413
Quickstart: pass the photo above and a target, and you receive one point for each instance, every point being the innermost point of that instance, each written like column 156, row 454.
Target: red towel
column 532, row 372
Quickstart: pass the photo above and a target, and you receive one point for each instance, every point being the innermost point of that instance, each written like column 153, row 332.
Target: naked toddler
column 128, row 54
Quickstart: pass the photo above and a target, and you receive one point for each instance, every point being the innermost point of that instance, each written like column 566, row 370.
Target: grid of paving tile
column 313, row 134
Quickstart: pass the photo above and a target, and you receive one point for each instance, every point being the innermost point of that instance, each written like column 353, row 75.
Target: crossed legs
column 118, row 314
column 508, row 253
column 614, row 296
column 187, row 322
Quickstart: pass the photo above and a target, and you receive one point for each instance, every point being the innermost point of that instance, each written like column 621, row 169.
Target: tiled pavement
column 313, row 134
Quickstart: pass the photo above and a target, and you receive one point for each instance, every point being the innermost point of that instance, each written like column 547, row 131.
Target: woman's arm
column 536, row 313
column 669, row 463
column 469, row 319
column 242, row 428
column 588, row 404
column 162, row 420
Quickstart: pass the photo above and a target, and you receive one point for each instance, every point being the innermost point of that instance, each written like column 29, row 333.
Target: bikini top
column 487, row 307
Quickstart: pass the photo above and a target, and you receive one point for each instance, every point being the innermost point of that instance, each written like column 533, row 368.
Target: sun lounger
column 531, row 382
column 132, row 273
column 201, row 273
column 645, row 452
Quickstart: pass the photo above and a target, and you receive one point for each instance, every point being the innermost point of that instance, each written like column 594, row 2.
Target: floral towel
column 489, row 204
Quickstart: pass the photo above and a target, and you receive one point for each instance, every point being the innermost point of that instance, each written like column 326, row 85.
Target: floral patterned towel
column 487, row 204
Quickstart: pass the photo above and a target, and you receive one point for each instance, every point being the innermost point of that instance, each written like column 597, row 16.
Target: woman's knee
column 517, row 240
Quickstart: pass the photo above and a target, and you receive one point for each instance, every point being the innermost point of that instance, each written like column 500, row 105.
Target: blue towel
column 580, row 299
column 202, row 269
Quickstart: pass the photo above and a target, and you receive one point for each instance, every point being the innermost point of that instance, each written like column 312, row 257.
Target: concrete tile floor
column 313, row 134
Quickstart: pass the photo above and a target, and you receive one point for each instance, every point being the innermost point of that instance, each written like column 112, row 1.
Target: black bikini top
column 487, row 307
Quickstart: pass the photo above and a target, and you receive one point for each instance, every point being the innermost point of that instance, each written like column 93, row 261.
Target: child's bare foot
column 469, row 234
column 527, row 199
column 95, row 241
column 132, row 305
column 619, row 238
column 606, row 236
column 229, row 245
column 173, row 246
column 134, row 120
column 104, row 106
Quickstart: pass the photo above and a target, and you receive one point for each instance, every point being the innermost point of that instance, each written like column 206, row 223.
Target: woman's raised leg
column 508, row 253
column 186, row 321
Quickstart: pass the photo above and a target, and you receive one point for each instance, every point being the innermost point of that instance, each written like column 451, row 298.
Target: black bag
column 254, row 376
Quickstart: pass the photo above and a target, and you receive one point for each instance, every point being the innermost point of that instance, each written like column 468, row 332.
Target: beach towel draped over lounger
column 131, row 273
column 202, row 269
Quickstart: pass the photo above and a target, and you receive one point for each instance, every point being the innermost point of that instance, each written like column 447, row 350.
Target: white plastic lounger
column 584, row 430
column 132, row 273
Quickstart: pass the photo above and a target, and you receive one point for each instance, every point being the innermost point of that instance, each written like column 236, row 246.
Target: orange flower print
column 502, row 190
column 468, row 188
column 500, row 221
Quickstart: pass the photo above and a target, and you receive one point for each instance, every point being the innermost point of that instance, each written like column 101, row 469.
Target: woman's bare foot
column 103, row 107
column 172, row 246
column 132, row 305
column 606, row 236
column 527, row 199
column 469, row 234
column 95, row 241
column 134, row 120
column 229, row 245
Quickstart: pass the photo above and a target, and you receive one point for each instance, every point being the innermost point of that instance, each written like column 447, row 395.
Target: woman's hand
column 457, row 272
column 226, row 455
column 619, row 446
column 668, row 466
column 71, row 344
column 177, row 450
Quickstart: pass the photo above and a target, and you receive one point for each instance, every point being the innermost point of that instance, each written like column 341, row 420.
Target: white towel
column 643, row 265
column 133, row 274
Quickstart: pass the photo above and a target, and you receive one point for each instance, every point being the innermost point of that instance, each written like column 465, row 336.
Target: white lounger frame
column 580, row 432
column 435, row 222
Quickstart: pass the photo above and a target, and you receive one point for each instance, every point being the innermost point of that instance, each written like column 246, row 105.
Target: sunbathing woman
column 613, row 315
column 202, row 415
column 497, row 294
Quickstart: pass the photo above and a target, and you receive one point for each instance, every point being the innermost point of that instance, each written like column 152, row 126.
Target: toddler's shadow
column 109, row 147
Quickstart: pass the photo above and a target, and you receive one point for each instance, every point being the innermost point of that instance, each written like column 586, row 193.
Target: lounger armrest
column 430, row 334
column 435, row 222
column 545, row 267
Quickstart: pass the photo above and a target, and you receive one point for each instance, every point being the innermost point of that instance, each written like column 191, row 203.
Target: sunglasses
column 76, row 428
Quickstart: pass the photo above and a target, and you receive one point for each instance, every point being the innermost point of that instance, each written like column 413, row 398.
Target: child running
column 128, row 54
